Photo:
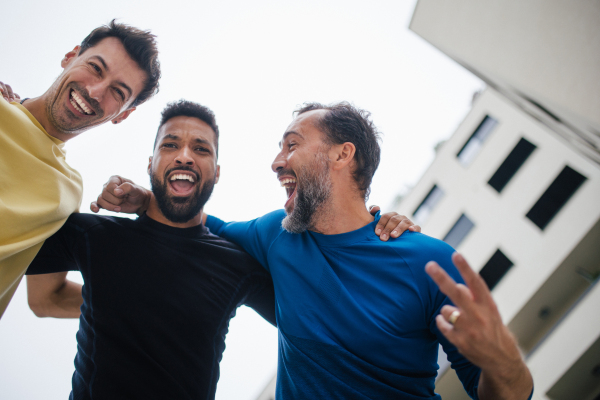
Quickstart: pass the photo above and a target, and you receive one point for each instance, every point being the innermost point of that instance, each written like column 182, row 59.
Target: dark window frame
column 555, row 197
column 511, row 164
column 457, row 234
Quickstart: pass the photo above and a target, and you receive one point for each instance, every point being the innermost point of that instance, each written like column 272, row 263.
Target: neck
column 157, row 215
column 37, row 107
column 342, row 215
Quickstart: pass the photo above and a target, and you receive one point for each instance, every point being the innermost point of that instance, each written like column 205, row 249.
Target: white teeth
column 76, row 106
column 182, row 177
column 285, row 181
column 82, row 107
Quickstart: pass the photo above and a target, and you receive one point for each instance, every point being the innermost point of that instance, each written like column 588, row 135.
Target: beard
column 313, row 190
column 60, row 117
column 180, row 209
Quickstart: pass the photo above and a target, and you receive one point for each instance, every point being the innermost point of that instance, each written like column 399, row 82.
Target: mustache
column 183, row 168
column 86, row 96
column 283, row 172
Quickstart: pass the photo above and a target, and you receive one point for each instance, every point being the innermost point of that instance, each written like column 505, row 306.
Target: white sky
column 252, row 63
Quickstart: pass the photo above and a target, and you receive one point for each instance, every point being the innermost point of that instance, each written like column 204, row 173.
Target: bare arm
column 475, row 327
column 53, row 295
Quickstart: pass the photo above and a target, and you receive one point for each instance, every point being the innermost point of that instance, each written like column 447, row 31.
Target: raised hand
column 475, row 327
column 122, row 195
column 392, row 224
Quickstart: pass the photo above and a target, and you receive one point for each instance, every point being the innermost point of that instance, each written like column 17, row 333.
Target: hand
column 7, row 93
column 122, row 195
column 392, row 224
column 478, row 333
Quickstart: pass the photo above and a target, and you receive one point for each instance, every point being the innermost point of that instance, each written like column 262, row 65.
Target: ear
column 218, row 174
column 341, row 155
column 123, row 116
column 70, row 56
column 149, row 164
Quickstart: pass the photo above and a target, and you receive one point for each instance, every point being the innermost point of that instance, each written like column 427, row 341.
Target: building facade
column 516, row 188
column 522, row 206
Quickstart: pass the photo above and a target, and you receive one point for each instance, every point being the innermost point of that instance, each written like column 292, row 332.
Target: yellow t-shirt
column 38, row 191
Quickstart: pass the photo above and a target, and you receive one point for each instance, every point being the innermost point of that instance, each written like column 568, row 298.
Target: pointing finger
column 458, row 293
column 473, row 280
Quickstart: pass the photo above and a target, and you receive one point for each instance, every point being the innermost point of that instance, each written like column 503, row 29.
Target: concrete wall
column 544, row 50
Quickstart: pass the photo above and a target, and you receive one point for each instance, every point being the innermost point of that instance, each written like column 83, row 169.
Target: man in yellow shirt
column 104, row 79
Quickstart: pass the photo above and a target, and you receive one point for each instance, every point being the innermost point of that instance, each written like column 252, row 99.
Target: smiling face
column 183, row 170
column 303, row 169
column 96, row 86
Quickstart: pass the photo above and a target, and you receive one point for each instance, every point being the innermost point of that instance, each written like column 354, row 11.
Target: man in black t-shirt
column 159, row 291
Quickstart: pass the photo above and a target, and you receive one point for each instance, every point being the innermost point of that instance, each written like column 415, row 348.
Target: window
column 555, row 197
column 459, row 231
column 422, row 212
column 475, row 142
column 495, row 269
column 511, row 164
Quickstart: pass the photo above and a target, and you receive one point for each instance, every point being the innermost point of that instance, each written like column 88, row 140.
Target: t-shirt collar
column 344, row 239
column 193, row 231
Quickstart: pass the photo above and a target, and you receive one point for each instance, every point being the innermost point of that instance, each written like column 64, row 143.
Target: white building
column 522, row 206
column 516, row 189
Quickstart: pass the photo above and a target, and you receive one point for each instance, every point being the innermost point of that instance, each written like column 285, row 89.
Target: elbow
column 38, row 308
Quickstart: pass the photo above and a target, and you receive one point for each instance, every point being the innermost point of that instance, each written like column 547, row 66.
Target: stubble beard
column 55, row 110
column 313, row 191
column 180, row 209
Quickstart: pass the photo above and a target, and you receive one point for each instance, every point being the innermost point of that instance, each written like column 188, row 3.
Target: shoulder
column 232, row 254
column 84, row 222
column 417, row 249
column 272, row 220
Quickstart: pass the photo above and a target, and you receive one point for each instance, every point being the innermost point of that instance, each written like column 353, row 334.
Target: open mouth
column 79, row 104
column 182, row 183
column 290, row 188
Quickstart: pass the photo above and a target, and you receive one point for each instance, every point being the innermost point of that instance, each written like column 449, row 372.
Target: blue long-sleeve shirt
column 356, row 315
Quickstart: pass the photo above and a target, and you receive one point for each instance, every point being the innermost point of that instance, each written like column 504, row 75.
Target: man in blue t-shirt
column 361, row 318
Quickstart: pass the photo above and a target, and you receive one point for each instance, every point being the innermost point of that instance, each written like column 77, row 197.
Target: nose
column 279, row 163
column 96, row 89
column 184, row 157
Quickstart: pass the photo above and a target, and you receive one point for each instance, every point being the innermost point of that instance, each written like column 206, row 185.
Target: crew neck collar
column 190, row 232
column 343, row 239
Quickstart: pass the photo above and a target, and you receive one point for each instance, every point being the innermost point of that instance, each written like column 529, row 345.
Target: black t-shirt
column 157, row 301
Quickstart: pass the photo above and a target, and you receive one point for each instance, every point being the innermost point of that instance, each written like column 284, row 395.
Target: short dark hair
column 141, row 47
column 346, row 123
column 185, row 108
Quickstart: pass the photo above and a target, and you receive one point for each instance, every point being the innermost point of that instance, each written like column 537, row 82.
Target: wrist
column 144, row 207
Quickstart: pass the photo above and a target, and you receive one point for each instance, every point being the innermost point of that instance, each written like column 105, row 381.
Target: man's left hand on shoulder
column 7, row 93
column 475, row 327
column 392, row 224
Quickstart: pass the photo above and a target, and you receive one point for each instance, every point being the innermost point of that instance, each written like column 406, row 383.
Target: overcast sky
column 252, row 63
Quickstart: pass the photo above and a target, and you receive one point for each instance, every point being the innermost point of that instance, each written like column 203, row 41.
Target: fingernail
column 378, row 231
column 394, row 233
column 117, row 209
column 118, row 191
column 384, row 236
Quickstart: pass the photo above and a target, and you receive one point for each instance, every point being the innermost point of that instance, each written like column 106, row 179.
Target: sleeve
column 440, row 252
column 256, row 236
column 58, row 252
column 263, row 299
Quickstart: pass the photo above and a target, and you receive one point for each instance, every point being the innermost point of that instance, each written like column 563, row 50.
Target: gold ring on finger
column 454, row 316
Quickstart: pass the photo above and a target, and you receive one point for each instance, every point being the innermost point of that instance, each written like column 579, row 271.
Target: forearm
column 52, row 295
column 515, row 384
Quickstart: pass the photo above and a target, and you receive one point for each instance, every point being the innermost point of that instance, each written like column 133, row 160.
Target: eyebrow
column 120, row 83
column 288, row 133
column 175, row 137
